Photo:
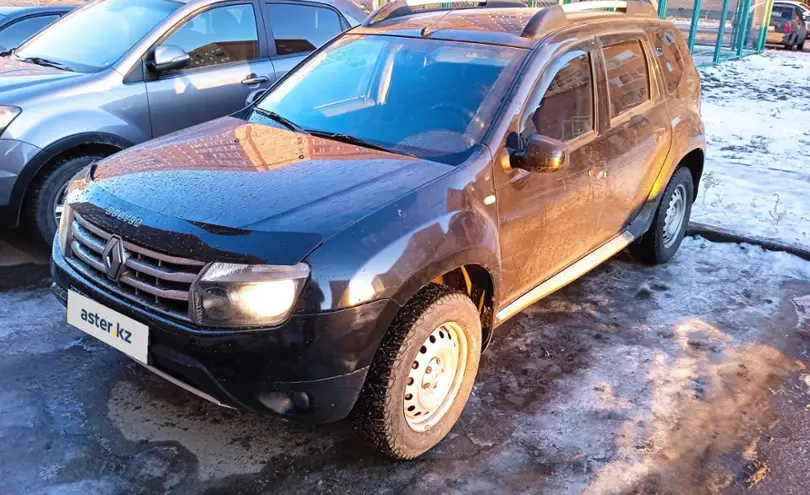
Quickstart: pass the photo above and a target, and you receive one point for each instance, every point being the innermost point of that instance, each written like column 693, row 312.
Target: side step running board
column 565, row 277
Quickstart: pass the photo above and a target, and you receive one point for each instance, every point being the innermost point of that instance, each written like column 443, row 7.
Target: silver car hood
column 20, row 79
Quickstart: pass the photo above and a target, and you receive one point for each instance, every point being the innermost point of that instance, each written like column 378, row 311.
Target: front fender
column 393, row 252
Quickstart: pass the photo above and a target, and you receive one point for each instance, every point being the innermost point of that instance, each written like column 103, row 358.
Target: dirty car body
column 439, row 198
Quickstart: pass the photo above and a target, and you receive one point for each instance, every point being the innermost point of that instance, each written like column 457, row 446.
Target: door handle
column 254, row 79
column 658, row 134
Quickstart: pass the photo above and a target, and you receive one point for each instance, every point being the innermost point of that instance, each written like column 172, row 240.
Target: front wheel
column 422, row 375
column 664, row 238
column 47, row 198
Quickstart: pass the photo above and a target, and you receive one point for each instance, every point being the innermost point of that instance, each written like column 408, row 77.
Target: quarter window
column 302, row 28
column 566, row 110
column 627, row 74
column 219, row 36
column 669, row 58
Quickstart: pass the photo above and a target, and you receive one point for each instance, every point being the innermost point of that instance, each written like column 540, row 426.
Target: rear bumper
column 774, row 38
column 308, row 369
column 14, row 157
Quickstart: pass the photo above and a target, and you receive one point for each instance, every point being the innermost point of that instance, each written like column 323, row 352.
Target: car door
column 14, row 33
column 298, row 29
column 550, row 220
column 229, row 60
column 640, row 132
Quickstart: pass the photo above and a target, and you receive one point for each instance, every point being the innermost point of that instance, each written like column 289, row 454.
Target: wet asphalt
column 685, row 378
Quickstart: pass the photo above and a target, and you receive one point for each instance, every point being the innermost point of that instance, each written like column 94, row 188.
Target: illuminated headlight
column 7, row 114
column 231, row 295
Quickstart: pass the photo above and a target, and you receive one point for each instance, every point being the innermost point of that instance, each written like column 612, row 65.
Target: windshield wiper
column 356, row 140
column 47, row 63
column 282, row 120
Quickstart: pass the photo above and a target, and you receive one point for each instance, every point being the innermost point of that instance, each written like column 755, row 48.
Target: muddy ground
column 685, row 378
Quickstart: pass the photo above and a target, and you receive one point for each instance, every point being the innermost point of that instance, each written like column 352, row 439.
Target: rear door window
column 627, row 76
column 300, row 29
column 669, row 57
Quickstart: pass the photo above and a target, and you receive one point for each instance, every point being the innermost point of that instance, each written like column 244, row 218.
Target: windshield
column 95, row 37
column 429, row 98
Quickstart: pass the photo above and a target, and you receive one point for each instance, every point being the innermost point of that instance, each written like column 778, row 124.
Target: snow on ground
column 634, row 379
column 757, row 175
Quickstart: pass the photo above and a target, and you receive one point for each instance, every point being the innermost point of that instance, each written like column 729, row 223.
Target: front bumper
column 311, row 368
column 14, row 157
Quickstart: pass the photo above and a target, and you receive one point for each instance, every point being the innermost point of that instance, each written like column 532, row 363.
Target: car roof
column 496, row 26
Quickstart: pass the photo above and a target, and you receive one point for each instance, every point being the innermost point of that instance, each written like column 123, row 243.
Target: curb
column 717, row 234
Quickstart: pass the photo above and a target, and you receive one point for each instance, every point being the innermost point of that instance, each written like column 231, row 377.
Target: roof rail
column 552, row 18
column 401, row 8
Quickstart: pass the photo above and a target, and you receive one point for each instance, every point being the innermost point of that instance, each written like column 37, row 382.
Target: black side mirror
column 541, row 154
column 169, row 57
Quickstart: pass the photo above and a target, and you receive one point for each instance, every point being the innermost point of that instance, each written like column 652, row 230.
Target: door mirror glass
column 169, row 57
column 254, row 96
column 542, row 154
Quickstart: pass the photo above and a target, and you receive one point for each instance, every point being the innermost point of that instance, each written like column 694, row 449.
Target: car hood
column 253, row 177
column 17, row 77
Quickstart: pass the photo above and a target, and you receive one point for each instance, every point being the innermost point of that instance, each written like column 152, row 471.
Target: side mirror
column 542, row 154
column 169, row 57
column 254, row 96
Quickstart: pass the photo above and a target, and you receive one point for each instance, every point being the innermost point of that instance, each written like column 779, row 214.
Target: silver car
column 120, row 72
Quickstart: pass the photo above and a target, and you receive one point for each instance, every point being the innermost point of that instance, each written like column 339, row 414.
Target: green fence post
column 766, row 21
column 662, row 8
column 694, row 26
column 721, row 31
column 742, row 28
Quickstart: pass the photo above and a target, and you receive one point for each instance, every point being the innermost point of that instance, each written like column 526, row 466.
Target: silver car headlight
column 233, row 295
column 7, row 114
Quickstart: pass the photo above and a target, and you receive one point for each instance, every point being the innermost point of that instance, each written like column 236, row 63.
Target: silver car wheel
column 675, row 216
column 59, row 202
column 435, row 377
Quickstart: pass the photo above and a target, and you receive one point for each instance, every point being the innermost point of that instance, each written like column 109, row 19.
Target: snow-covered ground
column 757, row 175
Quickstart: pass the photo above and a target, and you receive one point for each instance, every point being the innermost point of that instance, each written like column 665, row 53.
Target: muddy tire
column 664, row 238
column 40, row 214
column 414, row 393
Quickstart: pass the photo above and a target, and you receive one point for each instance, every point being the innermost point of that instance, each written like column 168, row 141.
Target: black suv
column 351, row 242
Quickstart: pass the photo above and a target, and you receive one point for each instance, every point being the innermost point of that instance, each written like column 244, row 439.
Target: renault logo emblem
column 114, row 258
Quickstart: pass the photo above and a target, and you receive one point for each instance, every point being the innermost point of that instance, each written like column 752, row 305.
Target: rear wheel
column 664, row 238
column 800, row 46
column 422, row 375
column 46, row 200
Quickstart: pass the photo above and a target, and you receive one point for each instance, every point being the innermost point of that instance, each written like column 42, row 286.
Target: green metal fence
column 719, row 30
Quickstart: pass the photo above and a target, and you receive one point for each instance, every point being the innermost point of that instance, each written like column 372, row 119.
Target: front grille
column 155, row 280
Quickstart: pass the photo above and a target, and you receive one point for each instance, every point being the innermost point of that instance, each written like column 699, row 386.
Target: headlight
column 231, row 295
column 7, row 114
